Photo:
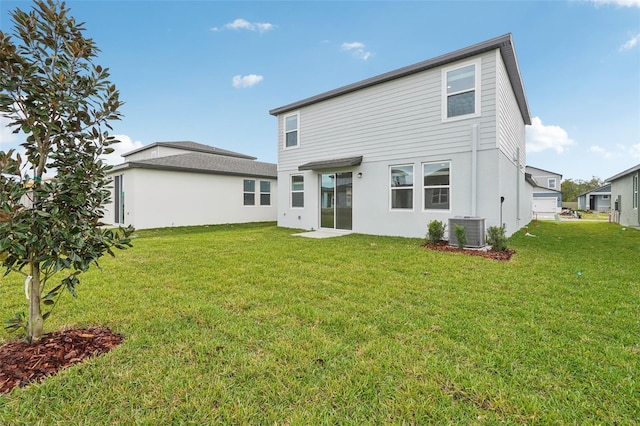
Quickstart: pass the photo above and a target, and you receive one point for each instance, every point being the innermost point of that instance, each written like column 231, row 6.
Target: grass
column 246, row 324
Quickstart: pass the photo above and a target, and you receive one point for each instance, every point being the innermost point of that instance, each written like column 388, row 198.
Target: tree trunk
column 35, row 324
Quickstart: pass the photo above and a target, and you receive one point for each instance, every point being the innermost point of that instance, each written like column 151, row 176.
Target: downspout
column 518, row 187
column 474, row 169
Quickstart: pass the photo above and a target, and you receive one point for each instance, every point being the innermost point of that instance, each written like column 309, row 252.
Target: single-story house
column 597, row 200
column 547, row 195
column 438, row 140
column 625, row 197
column 186, row 183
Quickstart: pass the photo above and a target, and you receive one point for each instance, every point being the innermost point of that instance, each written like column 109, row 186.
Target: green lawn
column 249, row 325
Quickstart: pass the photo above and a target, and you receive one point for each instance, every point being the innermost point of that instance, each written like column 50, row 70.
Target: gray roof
column 603, row 190
column 504, row 43
column 626, row 172
column 191, row 146
column 197, row 162
column 543, row 170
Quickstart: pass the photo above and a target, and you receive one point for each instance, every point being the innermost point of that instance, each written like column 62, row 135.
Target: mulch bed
column 489, row 254
column 22, row 363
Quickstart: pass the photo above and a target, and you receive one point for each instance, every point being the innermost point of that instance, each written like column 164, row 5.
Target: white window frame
column 245, row 192
column 477, row 88
column 424, row 187
column 551, row 185
column 297, row 191
column 265, row 192
column 285, row 132
column 413, row 187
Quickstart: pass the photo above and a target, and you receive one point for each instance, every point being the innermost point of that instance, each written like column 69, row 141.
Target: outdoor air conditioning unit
column 474, row 230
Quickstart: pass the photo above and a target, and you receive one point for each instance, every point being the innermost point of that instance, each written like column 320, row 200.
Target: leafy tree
column 51, row 91
column 572, row 188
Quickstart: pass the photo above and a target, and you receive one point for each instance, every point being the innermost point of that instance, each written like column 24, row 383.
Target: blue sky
column 209, row 71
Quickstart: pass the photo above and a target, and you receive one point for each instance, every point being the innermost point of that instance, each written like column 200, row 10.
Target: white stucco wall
column 157, row 198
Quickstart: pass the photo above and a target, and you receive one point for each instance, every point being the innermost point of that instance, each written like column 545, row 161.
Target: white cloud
column 634, row 151
column 619, row 3
column 620, row 151
column 357, row 49
column 541, row 137
column 243, row 81
column 602, row 152
column 6, row 133
column 630, row 44
column 126, row 144
column 242, row 24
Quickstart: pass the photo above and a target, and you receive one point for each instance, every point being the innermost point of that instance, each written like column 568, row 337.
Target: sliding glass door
column 336, row 193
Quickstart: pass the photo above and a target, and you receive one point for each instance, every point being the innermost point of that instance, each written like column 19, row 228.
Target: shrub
column 461, row 236
column 435, row 233
column 496, row 238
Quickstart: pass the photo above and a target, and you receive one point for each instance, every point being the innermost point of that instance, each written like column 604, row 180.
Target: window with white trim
column 401, row 186
column 461, row 91
column 635, row 191
column 437, row 185
column 297, row 191
column 552, row 183
column 291, row 130
column 249, row 192
column 265, row 193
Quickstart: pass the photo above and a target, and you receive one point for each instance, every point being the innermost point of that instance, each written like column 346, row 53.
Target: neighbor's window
column 265, row 193
column 437, row 184
column 297, row 191
column 635, row 191
column 249, row 192
column 291, row 130
column 401, row 187
column 461, row 92
column 552, row 183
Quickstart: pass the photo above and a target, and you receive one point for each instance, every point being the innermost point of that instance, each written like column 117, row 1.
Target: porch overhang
column 335, row 163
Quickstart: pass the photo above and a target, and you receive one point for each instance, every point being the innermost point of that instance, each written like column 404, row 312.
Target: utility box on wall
column 473, row 227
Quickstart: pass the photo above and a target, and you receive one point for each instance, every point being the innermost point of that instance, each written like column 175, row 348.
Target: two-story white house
column 432, row 141
column 547, row 195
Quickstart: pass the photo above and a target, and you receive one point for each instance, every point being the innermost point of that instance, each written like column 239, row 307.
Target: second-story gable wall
column 396, row 119
column 511, row 126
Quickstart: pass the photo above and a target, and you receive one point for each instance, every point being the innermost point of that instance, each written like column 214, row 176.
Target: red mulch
column 489, row 254
column 22, row 363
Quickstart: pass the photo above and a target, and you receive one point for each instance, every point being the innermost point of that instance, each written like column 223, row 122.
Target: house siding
column 511, row 127
column 622, row 189
column 399, row 116
column 155, row 199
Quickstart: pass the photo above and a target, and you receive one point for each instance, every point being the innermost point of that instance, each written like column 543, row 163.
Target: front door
column 336, row 192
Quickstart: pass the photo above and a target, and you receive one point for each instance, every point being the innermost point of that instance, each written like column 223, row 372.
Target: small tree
column 52, row 92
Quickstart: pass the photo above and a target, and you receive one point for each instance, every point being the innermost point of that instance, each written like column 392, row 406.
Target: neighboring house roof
column 603, row 190
column 204, row 163
column 543, row 170
column 504, row 43
column 191, row 146
column 530, row 180
column 622, row 174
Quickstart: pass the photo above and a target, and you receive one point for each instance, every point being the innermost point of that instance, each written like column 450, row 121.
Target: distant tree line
column 572, row 188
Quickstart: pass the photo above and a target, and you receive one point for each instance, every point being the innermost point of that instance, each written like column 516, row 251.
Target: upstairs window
column 552, row 183
column 297, row 191
column 249, row 192
column 291, row 131
column 265, row 193
column 401, row 187
column 461, row 97
column 437, row 184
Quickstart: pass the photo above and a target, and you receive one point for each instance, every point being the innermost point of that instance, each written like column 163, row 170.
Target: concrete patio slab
column 324, row 233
